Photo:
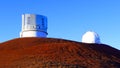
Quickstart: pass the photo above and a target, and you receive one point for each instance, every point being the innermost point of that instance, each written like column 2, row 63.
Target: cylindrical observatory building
column 34, row 26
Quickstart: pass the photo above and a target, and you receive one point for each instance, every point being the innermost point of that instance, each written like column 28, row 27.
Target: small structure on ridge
column 90, row 37
column 34, row 26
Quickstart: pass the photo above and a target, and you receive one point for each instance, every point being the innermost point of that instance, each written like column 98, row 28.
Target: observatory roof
column 91, row 37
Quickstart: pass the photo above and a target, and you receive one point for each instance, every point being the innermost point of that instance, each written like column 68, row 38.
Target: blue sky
column 68, row 19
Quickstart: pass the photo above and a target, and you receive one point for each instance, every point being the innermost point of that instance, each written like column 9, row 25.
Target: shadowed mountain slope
column 56, row 53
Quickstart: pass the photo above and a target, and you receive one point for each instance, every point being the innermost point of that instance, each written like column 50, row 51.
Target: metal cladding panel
column 28, row 20
column 41, row 23
column 34, row 25
column 34, row 22
column 33, row 34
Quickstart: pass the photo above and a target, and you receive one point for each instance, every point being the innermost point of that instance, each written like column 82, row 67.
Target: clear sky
column 67, row 19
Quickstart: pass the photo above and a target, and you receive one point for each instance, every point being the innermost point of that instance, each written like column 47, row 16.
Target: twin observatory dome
column 36, row 26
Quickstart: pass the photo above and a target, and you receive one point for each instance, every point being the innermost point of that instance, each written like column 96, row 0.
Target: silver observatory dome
column 34, row 25
column 90, row 37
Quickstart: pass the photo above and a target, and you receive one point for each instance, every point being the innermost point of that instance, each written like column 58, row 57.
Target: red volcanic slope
column 56, row 53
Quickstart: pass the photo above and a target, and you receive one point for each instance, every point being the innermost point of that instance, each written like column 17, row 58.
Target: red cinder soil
column 56, row 53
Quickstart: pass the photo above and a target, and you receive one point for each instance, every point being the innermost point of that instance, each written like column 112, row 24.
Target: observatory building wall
column 33, row 26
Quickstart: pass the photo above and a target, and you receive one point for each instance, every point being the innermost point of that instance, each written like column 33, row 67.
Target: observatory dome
column 34, row 25
column 90, row 37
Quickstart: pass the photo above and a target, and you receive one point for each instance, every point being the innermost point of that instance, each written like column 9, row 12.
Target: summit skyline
column 67, row 19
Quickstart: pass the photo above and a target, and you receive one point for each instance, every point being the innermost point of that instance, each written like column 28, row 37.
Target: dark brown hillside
column 56, row 53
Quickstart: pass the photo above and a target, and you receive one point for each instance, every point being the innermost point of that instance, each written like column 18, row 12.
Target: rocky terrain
column 56, row 53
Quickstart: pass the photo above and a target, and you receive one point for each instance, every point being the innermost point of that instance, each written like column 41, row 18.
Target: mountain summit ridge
column 56, row 53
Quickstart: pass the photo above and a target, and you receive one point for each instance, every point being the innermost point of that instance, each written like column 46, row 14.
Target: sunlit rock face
column 90, row 37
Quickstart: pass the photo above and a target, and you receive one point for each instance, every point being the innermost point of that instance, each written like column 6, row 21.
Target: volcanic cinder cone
column 56, row 53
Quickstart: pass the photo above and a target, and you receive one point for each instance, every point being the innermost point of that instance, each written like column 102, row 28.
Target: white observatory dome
column 34, row 25
column 90, row 37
